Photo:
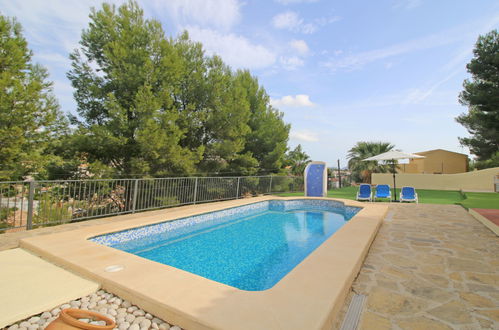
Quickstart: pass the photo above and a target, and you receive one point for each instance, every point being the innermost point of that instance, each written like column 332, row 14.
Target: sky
column 340, row 71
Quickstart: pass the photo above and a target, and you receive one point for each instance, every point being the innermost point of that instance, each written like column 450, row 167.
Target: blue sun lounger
column 364, row 193
column 382, row 191
column 408, row 194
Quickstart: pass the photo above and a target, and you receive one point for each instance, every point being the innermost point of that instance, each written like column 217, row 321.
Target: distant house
column 437, row 161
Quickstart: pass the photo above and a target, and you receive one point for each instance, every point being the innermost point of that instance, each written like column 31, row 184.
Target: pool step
column 352, row 317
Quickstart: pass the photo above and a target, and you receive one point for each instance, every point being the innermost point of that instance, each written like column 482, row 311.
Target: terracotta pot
column 68, row 320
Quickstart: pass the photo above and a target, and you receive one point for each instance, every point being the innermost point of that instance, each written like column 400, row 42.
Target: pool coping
column 310, row 296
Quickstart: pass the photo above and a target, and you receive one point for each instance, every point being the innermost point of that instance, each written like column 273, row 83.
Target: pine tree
column 30, row 119
column 124, row 75
column 481, row 96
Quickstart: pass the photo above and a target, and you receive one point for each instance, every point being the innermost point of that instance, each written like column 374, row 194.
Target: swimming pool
column 249, row 247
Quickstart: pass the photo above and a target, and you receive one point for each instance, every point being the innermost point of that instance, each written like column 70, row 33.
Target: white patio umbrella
column 390, row 157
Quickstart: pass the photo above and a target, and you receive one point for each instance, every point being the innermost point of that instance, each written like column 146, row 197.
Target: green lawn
column 467, row 200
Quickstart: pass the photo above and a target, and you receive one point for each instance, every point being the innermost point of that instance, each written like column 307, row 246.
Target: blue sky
column 341, row 71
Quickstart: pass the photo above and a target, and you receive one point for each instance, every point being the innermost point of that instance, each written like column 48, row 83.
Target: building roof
column 434, row 150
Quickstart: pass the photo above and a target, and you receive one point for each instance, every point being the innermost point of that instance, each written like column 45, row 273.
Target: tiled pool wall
column 182, row 226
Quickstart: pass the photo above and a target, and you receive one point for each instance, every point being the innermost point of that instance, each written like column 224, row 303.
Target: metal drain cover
column 352, row 317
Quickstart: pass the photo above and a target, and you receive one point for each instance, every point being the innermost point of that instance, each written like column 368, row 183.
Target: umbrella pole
column 394, row 185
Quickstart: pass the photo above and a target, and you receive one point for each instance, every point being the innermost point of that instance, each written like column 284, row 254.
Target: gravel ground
column 126, row 315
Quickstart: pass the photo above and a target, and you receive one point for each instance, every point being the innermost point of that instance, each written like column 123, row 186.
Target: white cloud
column 235, row 50
column 290, row 20
column 300, row 100
column 304, row 135
column 215, row 13
column 464, row 34
column 356, row 61
column 291, row 63
column 418, row 95
column 300, row 46
column 407, row 4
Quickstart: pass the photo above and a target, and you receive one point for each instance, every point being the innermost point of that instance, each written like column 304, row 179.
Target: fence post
column 135, row 191
column 195, row 190
column 237, row 189
column 270, row 185
column 31, row 197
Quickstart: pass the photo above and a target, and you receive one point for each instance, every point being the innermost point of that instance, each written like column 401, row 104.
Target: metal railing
column 29, row 204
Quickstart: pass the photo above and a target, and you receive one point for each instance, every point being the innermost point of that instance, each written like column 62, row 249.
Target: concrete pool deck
column 30, row 285
column 309, row 297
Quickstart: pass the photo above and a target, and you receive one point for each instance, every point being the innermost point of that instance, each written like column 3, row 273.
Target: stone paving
column 430, row 267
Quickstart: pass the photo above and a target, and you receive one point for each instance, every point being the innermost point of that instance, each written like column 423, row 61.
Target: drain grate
column 352, row 317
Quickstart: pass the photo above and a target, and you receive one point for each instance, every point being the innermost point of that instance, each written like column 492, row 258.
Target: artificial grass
column 477, row 200
column 467, row 200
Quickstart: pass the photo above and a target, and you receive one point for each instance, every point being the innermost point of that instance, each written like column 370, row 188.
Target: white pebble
column 85, row 299
column 155, row 326
column 129, row 318
column 145, row 323
column 132, row 309
column 13, row 327
column 139, row 312
column 164, row 326
column 175, row 327
column 55, row 311
column 102, row 302
column 92, row 305
column 45, row 315
column 126, row 304
column 65, row 306
column 112, row 312
column 98, row 322
column 134, row 327
column 138, row 320
column 75, row 304
column 101, row 292
column 124, row 326
column 25, row 324
column 34, row 319
column 117, row 301
column 103, row 310
column 33, row 327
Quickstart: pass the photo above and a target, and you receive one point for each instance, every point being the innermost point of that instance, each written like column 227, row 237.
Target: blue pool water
column 248, row 248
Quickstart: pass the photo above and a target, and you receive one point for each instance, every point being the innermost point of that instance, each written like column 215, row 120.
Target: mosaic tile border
column 163, row 230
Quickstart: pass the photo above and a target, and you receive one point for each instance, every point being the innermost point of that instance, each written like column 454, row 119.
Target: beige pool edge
column 310, row 296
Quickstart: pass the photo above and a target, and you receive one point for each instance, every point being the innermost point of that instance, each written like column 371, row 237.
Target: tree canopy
column 481, row 96
column 297, row 159
column 30, row 119
column 153, row 105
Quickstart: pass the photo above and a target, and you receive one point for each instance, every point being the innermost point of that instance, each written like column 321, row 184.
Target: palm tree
column 297, row 159
column 361, row 170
